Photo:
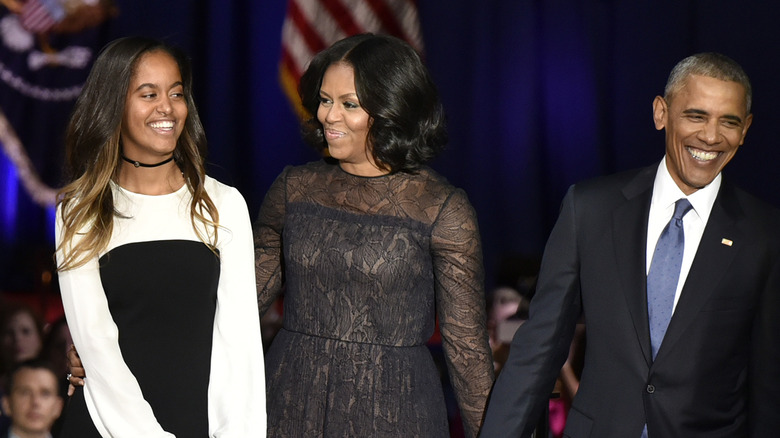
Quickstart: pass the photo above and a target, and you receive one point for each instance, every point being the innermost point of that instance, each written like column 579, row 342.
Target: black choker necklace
column 140, row 164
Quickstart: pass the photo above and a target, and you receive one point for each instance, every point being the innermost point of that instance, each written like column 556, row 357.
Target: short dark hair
column 709, row 64
column 32, row 364
column 406, row 118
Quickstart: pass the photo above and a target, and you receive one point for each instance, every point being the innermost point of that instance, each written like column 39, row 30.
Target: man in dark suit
column 711, row 366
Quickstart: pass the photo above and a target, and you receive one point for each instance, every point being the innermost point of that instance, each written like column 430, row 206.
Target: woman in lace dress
column 371, row 246
column 155, row 261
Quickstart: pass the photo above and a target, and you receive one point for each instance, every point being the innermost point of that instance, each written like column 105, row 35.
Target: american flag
column 41, row 15
column 313, row 25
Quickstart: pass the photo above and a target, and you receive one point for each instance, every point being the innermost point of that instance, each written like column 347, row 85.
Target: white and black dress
column 167, row 329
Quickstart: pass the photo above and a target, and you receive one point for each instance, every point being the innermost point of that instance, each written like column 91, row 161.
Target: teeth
column 702, row 155
column 162, row 125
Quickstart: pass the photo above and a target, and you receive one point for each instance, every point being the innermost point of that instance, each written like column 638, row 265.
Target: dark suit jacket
column 717, row 373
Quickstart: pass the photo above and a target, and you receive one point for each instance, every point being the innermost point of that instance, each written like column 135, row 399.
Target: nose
column 164, row 107
column 710, row 132
column 36, row 399
column 333, row 114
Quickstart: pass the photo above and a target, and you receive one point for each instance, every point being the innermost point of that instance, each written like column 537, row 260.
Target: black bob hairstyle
column 406, row 118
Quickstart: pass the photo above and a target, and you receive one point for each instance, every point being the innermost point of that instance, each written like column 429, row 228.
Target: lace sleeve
column 460, row 304
column 268, row 244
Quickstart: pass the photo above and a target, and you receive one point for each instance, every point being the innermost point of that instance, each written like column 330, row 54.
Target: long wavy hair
column 407, row 124
column 93, row 148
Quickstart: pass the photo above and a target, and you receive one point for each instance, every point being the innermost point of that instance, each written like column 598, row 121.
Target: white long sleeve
column 237, row 385
column 114, row 399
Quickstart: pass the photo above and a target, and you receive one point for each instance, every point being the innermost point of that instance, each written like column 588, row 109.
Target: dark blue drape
column 539, row 94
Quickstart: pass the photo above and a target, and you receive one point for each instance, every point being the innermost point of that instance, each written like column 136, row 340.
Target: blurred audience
column 21, row 338
column 22, row 335
column 56, row 342
column 507, row 304
column 32, row 400
column 508, row 307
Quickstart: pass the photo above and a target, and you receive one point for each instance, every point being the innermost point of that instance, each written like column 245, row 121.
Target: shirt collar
column 12, row 434
column 666, row 193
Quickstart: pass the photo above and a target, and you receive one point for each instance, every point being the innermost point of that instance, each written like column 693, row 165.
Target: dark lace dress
column 367, row 264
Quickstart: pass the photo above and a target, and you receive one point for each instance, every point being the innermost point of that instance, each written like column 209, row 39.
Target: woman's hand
column 76, row 372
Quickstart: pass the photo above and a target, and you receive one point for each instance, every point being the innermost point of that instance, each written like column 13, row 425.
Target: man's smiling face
column 705, row 122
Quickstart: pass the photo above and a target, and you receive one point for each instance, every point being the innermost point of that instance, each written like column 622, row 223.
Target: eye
column 149, row 96
column 324, row 101
column 351, row 105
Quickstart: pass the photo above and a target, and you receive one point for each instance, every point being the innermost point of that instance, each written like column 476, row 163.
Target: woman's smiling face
column 155, row 109
column 345, row 123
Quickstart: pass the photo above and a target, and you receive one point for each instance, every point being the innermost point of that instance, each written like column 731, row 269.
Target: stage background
column 539, row 95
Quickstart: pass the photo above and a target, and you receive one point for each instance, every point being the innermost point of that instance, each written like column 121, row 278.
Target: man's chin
column 699, row 183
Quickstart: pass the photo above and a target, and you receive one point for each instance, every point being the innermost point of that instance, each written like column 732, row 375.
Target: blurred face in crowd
column 21, row 340
column 57, row 348
column 705, row 123
column 33, row 403
column 155, row 110
column 345, row 123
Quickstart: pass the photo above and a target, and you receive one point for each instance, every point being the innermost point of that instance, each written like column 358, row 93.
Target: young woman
column 155, row 261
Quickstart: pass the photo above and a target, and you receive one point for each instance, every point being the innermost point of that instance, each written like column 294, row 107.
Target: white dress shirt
column 665, row 194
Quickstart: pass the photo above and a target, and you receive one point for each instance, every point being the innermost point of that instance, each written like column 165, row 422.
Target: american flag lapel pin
column 726, row 242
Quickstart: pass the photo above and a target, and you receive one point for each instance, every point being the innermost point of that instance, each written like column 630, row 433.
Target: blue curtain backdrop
column 539, row 95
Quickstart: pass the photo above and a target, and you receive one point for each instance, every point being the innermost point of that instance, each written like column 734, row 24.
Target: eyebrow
column 343, row 96
column 705, row 113
column 150, row 85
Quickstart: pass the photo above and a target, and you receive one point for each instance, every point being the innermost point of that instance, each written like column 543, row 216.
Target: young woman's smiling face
column 155, row 110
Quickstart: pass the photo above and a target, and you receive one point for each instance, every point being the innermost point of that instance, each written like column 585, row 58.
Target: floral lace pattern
column 367, row 264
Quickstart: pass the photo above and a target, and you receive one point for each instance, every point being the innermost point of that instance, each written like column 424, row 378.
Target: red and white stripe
column 35, row 17
column 312, row 25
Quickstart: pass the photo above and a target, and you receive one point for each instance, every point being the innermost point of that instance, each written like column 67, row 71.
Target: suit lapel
column 710, row 263
column 630, row 240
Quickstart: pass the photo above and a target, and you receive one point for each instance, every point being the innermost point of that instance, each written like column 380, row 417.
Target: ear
column 58, row 407
column 748, row 122
column 660, row 112
column 7, row 406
